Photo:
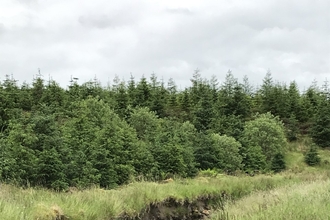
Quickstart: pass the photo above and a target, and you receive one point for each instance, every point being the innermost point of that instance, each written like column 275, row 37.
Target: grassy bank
column 16, row 203
column 308, row 200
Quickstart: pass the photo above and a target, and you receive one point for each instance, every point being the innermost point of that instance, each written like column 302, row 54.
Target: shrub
column 312, row 157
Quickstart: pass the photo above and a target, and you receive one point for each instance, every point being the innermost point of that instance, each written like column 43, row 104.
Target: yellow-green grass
column 306, row 200
column 295, row 161
column 16, row 203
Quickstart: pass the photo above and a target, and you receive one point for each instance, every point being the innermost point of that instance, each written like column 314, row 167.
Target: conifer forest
column 147, row 129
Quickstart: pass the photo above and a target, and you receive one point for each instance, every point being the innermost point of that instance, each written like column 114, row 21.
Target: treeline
column 146, row 128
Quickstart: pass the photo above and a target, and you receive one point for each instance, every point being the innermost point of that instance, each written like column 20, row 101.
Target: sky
column 172, row 38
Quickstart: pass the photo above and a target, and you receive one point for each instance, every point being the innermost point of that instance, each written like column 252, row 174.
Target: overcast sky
column 170, row 38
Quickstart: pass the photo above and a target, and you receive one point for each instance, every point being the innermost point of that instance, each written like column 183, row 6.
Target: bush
column 312, row 157
column 278, row 163
column 263, row 138
column 208, row 173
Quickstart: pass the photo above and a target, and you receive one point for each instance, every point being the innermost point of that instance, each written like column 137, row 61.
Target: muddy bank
column 173, row 209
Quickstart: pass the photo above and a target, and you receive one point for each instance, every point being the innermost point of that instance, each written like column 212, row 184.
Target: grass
column 16, row 203
column 307, row 199
column 299, row 201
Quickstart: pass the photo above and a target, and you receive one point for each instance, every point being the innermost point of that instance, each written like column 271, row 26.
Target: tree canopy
column 87, row 134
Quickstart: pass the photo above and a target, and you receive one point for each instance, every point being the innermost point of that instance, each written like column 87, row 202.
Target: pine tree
column 143, row 93
column 320, row 130
column 312, row 157
column 37, row 91
column 203, row 112
column 278, row 163
column 121, row 100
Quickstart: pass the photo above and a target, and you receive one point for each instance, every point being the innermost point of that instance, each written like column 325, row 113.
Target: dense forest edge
column 89, row 135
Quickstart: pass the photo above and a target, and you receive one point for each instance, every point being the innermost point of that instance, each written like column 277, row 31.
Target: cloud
column 111, row 19
column 182, row 11
column 2, row 28
column 170, row 38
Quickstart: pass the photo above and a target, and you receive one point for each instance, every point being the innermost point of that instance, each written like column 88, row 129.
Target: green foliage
column 312, row 157
column 220, row 152
column 292, row 130
column 145, row 123
column 208, row 173
column 89, row 135
column 172, row 148
column 227, row 153
column 230, row 125
column 102, row 145
column 204, row 111
column 262, row 139
column 278, row 163
column 142, row 93
column 320, row 130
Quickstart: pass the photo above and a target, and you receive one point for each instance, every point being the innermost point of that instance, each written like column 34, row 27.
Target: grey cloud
column 289, row 38
column 184, row 11
column 2, row 28
column 102, row 21
column 110, row 20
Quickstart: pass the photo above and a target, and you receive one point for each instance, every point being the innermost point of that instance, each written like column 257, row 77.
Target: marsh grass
column 95, row 203
column 306, row 200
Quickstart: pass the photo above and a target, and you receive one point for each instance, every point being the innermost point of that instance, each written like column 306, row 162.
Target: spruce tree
column 320, row 130
column 312, row 157
column 278, row 163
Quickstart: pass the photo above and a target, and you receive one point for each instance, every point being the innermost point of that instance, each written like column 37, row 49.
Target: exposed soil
column 172, row 209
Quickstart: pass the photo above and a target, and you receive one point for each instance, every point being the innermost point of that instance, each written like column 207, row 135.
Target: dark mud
column 173, row 209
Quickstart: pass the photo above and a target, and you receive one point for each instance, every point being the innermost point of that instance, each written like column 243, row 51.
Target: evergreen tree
column 293, row 99
column 19, row 161
column 292, row 129
column 143, row 93
column 172, row 105
column 186, row 106
column 54, row 96
column 145, row 123
column 312, row 157
column 320, row 130
column 101, row 145
column 278, row 163
column 131, row 90
column 37, row 91
column 204, row 110
column 25, row 98
column 121, row 100
column 159, row 94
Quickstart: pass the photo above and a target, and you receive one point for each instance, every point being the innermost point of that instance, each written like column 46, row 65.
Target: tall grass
column 16, row 203
column 307, row 200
